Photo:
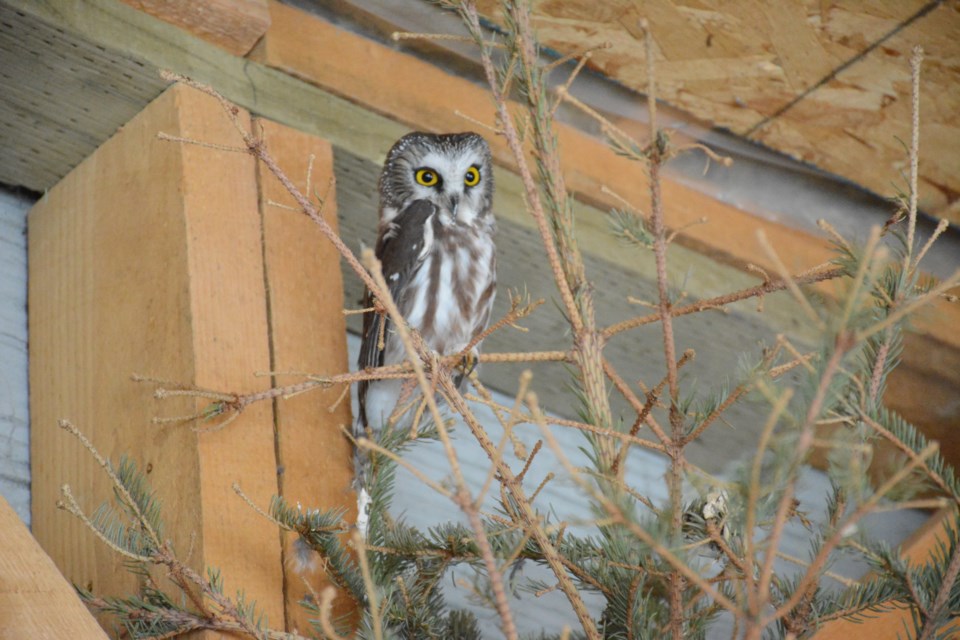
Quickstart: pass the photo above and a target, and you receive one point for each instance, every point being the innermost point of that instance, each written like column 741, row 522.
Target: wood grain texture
column 36, row 601
column 147, row 259
column 234, row 25
column 308, row 334
column 736, row 65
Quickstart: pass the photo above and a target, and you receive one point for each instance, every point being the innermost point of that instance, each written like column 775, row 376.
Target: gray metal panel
column 14, row 400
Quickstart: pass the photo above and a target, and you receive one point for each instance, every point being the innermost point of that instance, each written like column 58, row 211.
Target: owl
column 435, row 244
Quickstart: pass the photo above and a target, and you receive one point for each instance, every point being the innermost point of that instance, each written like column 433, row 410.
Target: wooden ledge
column 233, row 25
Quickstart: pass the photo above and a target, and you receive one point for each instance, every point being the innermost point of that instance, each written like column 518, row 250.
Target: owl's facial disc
column 454, row 186
column 450, row 170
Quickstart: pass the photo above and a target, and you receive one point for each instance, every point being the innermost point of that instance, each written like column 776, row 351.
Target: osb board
column 771, row 71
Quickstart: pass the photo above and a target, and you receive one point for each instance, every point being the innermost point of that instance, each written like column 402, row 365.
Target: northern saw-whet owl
column 435, row 245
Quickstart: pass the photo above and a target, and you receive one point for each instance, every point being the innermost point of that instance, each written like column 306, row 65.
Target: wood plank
column 308, row 334
column 234, row 25
column 891, row 625
column 802, row 57
column 36, row 601
column 230, row 344
column 147, row 258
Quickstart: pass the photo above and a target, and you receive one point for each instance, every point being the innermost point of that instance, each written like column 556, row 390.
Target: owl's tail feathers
column 362, row 473
column 363, row 512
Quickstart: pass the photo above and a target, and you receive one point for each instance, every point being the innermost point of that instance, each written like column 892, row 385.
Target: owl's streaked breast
column 452, row 290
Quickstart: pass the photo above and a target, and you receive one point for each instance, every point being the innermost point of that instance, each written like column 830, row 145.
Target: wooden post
column 308, row 333
column 149, row 258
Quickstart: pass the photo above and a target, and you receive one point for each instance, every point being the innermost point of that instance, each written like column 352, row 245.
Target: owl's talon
column 469, row 362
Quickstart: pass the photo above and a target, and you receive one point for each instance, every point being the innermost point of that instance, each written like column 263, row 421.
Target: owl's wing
column 400, row 249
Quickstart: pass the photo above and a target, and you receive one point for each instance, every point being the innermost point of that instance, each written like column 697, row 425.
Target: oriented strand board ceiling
column 825, row 81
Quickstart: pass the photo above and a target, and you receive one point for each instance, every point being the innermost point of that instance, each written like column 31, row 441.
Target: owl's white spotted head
column 453, row 171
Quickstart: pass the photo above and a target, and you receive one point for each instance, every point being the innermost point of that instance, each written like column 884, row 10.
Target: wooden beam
column 308, row 334
column 891, row 625
column 233, row 25
column 147, row 258
column 36, row 601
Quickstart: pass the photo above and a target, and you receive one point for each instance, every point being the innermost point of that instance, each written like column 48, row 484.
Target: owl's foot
column 468, row 363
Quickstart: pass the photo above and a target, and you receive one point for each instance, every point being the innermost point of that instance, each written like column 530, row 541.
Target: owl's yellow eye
column 427, row 177
column 472, row 177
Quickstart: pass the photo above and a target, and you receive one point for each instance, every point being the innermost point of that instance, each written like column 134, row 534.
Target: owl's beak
column 454, row 203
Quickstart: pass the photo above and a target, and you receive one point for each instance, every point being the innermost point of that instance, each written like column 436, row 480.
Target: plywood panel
column 825, row 82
